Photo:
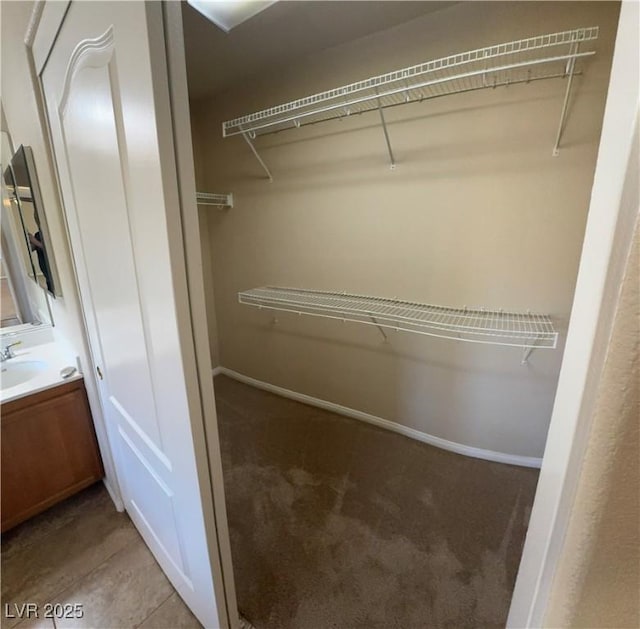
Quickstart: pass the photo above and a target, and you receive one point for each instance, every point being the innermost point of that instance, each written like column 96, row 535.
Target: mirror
column 26, row 205
column 27, row 269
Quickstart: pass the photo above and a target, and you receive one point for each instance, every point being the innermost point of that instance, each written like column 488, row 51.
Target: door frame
column 182, row 220
column 605, row 250
column 180, row 122
column 613, row 212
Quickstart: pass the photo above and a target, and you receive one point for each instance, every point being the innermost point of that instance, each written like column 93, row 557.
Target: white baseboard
column 452, row 446
column 114, row 496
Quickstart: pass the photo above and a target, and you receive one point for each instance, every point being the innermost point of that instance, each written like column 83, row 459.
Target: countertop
column 55, row 359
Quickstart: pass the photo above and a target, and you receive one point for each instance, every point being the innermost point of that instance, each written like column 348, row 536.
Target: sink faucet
column 7, row 352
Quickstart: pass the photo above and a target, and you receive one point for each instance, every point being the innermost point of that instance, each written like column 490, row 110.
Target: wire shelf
column 533, row 331
column 521, row 61
column 218, row 200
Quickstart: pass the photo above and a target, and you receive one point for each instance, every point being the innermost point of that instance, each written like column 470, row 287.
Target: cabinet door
column 49, row 451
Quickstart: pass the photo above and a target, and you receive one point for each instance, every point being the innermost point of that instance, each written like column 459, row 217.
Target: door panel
column 98, row 187
column 99, row 93
column 150, row 495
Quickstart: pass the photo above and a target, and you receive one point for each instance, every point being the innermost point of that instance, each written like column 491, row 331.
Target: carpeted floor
column 338, row 524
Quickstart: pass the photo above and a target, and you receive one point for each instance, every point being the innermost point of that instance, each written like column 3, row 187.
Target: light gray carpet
column 338, row 524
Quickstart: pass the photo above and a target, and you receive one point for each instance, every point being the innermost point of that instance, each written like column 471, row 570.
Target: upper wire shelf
column 211, row 198
column 495, row 327
column 520, row 61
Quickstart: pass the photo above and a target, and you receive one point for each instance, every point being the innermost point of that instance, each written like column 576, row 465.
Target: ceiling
column 285, row 31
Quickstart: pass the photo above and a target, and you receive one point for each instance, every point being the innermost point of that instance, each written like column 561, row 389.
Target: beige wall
column 597, row 583
column 205, row 246
column 477, row 213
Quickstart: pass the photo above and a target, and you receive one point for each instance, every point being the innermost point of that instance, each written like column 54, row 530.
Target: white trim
column 87, row 52
column 208, row 455
column 216, row 371
column 452, row 446
column 606, row 245
column 115, row 497
column 34, row 22
column 49, row 21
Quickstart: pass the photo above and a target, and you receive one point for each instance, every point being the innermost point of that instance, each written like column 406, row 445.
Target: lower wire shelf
column 494, row 327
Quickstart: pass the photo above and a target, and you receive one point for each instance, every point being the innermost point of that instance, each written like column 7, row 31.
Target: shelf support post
column 247, row 139
column 526, row 351
column 565, row 105
column 384, row 336
column 386, row 135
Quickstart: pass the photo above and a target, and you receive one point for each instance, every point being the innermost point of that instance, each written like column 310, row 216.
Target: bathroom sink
column 12, row 374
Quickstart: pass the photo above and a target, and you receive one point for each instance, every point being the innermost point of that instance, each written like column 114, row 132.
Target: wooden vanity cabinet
column 49, row 451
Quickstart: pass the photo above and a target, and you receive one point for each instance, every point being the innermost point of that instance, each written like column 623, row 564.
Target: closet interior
column 392, row 198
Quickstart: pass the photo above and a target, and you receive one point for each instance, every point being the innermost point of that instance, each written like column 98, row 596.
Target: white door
column 102, row 96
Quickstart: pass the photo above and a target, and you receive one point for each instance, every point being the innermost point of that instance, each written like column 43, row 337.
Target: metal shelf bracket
column 392, row 159
column 569, row 71
column 246, row 136
column 527, row 351
column 384, row 335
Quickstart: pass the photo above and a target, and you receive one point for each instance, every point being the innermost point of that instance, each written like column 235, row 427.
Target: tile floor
column 83, row 551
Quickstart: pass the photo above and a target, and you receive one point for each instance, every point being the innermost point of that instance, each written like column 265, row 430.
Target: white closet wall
column 477, row 213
